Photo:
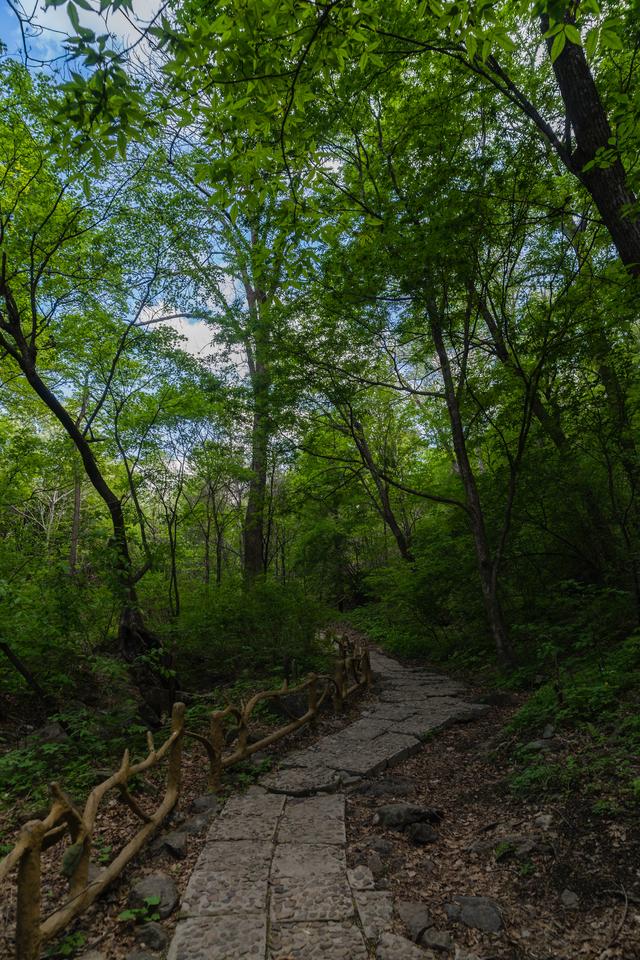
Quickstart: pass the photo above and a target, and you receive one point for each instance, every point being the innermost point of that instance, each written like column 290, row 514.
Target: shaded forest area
column 313, row 311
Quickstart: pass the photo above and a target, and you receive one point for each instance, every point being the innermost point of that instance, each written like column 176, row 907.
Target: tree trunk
column 258, row 357
column 585, row 112
column 75, row 525
column 486, row 567
column 384, row 507
column 135, row 640
column 603, row 541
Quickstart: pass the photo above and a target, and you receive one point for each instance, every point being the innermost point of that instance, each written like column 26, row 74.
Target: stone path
column 272, row 881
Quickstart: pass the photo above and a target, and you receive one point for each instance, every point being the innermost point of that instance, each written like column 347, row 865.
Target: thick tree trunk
column 585, row 112
column 487, row 571
column 258, row 357
column 256, row 500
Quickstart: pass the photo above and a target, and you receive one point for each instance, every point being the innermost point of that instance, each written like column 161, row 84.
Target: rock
column 140, row 955
column 361, row 878
column 207, row 803
column 195, row 824
column 421, row 833
column 380, row 845
column 504, row 846
column 542, row 746
column 375, row 864
column 389, row 787
column 548, row 732
column 500, row 698
column 156, row 885
column 436, row 939
column 152, row 935
column 481, row 913
column 393, row 947
column 415, row 916
column 462, row 954
column 51, row 733
column 397, row 816
column 570, row 900
column 544, row 821
column 174, row 843
column 93, row 955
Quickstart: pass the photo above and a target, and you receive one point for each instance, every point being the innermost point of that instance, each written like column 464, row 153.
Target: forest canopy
column 313, row 310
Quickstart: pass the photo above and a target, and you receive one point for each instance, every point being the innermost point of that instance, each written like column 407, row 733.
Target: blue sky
column 54, row 23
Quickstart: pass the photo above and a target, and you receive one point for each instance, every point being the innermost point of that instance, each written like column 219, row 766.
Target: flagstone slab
column 271, row 882
column 316, row 941
column 314, row 820
column 235, row 937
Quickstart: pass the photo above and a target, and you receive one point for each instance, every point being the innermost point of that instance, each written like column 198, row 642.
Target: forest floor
column 566, row 879
column 101, row 928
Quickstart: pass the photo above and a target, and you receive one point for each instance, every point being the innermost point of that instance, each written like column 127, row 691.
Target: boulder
column 415, row 916
column 380, row 845
column 388, row 787
column 421, row 833
column 52, row 732
column 207, row 803
column 195, row 824
column 374, row 863
column 393, row 947
column 481, row 913
column 436, row 939
column 397, row 816
column 152, row 935
column 156, row 885
column 174, row 843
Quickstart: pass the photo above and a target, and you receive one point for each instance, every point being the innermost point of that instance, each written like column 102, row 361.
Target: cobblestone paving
column 272, row 882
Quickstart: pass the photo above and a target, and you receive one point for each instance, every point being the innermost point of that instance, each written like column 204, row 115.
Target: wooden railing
column 352, row 672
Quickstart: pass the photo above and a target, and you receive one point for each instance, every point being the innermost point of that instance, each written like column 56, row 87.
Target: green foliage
column 143, row 914
column 68, row 946
column 237, row 632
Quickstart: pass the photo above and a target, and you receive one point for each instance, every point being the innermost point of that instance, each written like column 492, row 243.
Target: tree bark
column 258, row 358
column 592, row 131
column 487, row 569
column 135, row 640
column 384, row 507
column 553, row 428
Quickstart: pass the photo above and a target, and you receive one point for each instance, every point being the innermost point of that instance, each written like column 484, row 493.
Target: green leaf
column 573, row 34
column 558, row 46
column 610, row 39
column 591, row 42
column 72, row 13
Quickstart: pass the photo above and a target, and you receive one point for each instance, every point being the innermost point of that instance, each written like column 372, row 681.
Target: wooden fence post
column 313, row 696
column 368, row 673
column 29, row 896
column 174, row 774
column 338, row 698
column 216, row 738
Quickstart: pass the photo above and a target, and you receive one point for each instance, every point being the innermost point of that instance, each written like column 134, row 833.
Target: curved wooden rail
column 352, row 672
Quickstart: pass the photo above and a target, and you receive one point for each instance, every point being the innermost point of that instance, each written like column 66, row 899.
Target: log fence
column 352, row 672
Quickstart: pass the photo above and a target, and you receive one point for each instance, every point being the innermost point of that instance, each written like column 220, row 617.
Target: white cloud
column 198, row 336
